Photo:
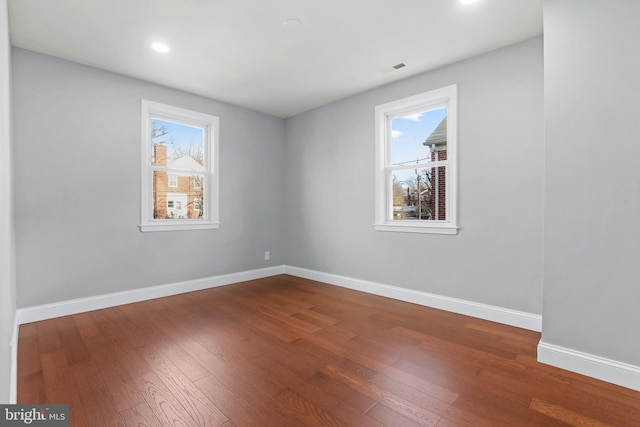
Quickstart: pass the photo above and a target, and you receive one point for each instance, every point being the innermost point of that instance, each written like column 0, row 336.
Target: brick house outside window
column 437, row 203
column 176, row 201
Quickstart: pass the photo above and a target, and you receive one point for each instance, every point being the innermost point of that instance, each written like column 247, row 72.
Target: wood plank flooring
column 285, row 351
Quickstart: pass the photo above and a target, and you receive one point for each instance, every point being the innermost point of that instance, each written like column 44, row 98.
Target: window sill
column 177, row 226
column 410, row 227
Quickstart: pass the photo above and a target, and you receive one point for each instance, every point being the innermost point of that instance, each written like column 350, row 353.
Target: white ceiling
column 240, row 52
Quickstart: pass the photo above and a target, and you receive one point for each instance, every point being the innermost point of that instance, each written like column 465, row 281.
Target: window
column 416, row 177
column 179, row 169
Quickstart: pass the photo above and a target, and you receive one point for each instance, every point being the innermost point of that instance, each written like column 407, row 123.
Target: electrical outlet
column 267, row 255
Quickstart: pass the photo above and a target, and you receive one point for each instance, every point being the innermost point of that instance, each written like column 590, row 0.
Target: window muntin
column 416, row 180
column 179, row 167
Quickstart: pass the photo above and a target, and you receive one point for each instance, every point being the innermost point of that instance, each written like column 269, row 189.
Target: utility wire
column 411, row 161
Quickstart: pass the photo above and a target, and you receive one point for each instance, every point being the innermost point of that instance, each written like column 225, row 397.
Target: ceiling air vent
column 400, row 65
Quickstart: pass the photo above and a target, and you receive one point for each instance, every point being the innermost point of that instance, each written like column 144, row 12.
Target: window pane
column 177, row 146
column 420, row 194
column 185, row 200
column 414, row 137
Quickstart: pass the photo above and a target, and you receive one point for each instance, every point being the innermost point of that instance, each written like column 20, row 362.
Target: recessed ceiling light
column 292, row 23
column 160, row 47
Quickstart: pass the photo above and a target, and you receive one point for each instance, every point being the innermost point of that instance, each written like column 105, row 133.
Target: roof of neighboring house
column 439, row 134
column 185, row 162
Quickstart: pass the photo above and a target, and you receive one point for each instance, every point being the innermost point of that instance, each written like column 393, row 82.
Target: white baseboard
column 13, row 386
column 483, row 311
column 65, row 308
column 608, row 370
column 506, row 316
column 597, row 367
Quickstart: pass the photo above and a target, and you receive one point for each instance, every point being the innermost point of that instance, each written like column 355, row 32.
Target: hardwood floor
column 285, row 351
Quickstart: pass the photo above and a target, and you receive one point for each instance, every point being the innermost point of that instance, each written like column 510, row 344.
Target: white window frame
column 384, row 114
column 172, row 181
column 210, row 125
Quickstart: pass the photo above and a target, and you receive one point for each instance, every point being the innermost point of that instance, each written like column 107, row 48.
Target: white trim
column 7, row 206
column 80, row 305
column 506, row 316
column 409, row 227
column 13, row 386
column 483, row 311
column 438, row 98
column 601, row 368
column 593, row 366
column 177, row 224
column 211, row 128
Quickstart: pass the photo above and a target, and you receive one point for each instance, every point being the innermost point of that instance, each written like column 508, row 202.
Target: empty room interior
column 355, row 213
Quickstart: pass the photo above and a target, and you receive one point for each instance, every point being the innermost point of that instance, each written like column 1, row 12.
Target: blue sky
column 410, row 132
column 408, row 135
column 182, row 135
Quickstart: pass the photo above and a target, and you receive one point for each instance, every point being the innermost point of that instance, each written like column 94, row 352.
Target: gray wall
column 497, row 256
column 303, row 188
column 77, row 187
column 7, row 261
column 77, row 172
column 592, row 191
